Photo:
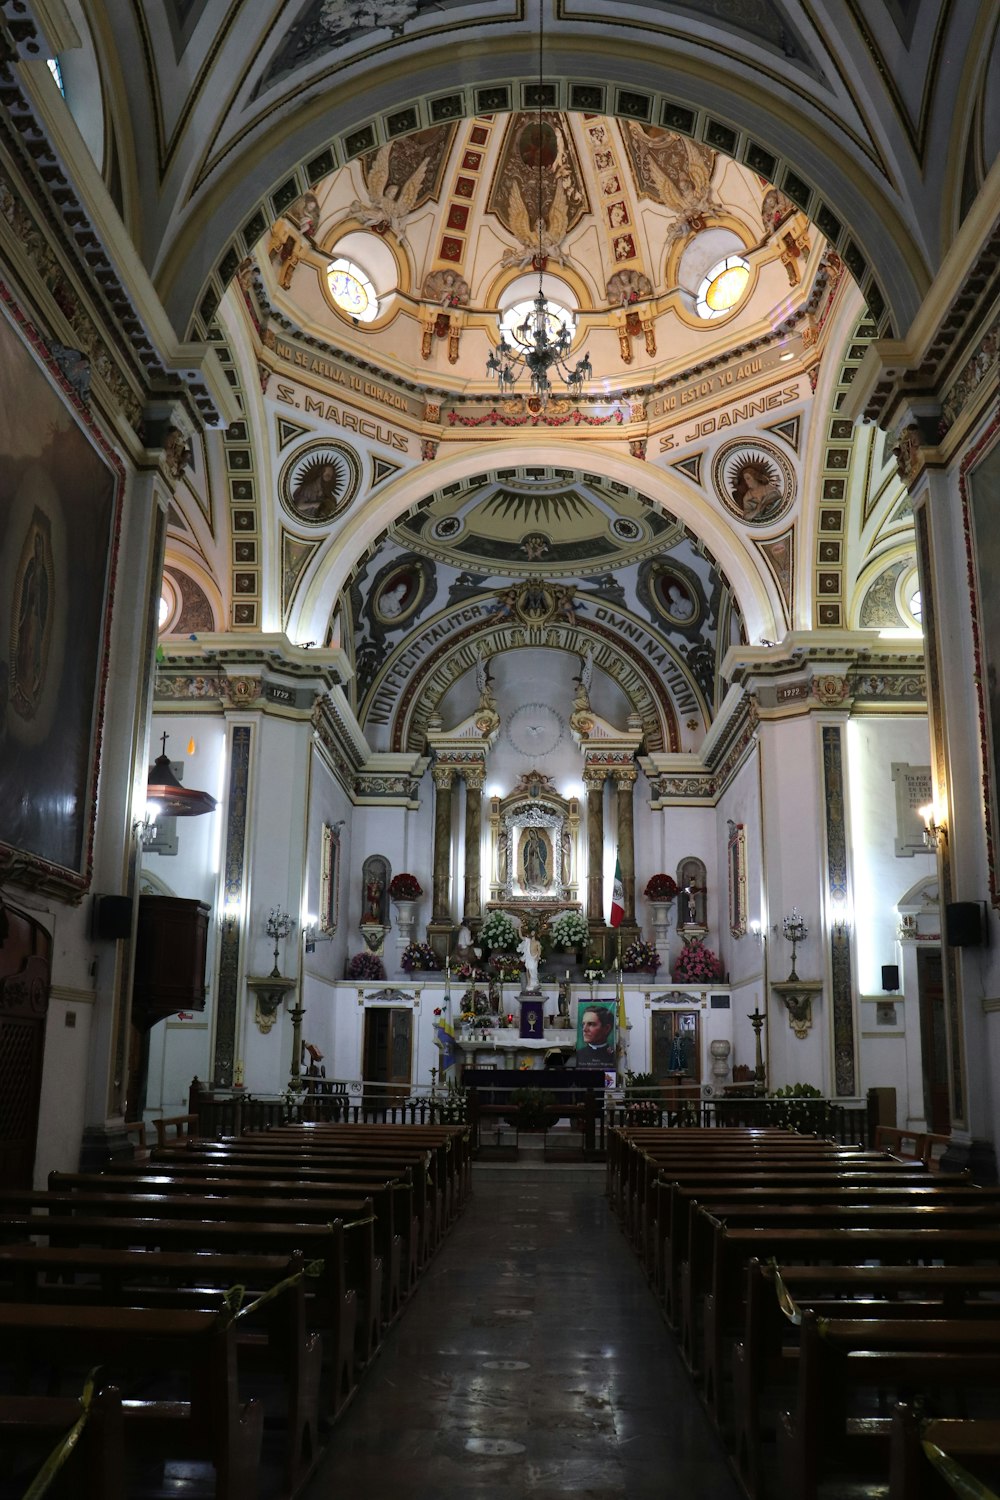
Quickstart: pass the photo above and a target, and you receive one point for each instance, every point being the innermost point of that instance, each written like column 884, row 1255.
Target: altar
column 505, row 1049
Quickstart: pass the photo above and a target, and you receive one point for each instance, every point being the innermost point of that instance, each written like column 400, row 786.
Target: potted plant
column 696, row 964
column 641, row 1104
column 405, row 887
column 640, row 955
column 531, row 1108
column 660, row 888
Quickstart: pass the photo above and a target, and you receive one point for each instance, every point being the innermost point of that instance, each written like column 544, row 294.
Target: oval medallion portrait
column 399, row 595
column 754, row 481
column 319, row 481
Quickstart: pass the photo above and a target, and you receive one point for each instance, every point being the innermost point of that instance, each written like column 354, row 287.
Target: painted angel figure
column 388, row 205
column 544, row 237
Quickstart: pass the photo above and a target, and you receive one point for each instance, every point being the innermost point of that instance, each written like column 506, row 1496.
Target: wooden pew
column 732, row 1248
column 162, row 1211
column 764, row 1360
column 392, row 1202
column 825, row 1435
column 85, row 1276
column 31, row 1428
column 175, row 1128
column 973, row 1443
column 209, row 1425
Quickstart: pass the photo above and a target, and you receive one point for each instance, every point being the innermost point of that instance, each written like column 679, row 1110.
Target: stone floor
column 532, row 1361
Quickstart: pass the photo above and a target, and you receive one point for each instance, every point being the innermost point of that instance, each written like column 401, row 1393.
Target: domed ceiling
column 623, row 222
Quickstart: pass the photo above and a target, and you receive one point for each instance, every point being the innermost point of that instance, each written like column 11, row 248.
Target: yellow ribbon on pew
column 359, row 1223
column 232, row 1300
column 786, row 1301
column 958, row 1480
column 42, row 1480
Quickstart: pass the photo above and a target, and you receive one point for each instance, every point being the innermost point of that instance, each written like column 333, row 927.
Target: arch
column 841, row 184
column 757, row 597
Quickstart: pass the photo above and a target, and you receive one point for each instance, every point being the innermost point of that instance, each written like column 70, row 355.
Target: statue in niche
column 566, row 853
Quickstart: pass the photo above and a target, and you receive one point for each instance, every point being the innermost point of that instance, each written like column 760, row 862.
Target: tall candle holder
column 278, row 925
column 795, row 931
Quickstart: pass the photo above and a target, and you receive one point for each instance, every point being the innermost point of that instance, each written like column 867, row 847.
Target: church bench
column 335, row 1293
column 199, row 1349
column 392, row 1202
column 31, row 1427
column 732, row 1248
column 625, row 1138
column 845, row 1365
column 363, row 1267
column 680, row 1199
column 175, row 1128
column 451, row 1144
column 288, row 1160
column 972, row 1442
column 697, row 1269
column 275, row 1340
column 446, row 1164
column 763, row 1362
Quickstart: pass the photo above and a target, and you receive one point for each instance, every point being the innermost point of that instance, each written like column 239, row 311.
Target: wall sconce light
column 838, row 919
column 935, row 830
column 144, row 829
column 230, row 915
column 756, row 931
column 312, row 935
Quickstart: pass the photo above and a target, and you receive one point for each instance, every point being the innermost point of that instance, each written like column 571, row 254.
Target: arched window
column 722, row 287
column 352, row 291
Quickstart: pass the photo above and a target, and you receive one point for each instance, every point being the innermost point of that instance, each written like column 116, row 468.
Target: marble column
column 594, row 782
column 625, row 780
column 443, row 777
column 475, row 777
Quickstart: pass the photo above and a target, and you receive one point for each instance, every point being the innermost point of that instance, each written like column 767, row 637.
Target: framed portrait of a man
column 596, row 1041
column 60, row 494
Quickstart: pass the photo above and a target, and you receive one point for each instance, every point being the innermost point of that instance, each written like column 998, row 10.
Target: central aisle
column 532, row 1362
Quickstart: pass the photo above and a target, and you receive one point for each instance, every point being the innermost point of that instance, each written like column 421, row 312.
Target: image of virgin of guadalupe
column 536, row 860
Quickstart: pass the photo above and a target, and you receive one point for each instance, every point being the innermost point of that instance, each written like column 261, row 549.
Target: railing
column 228, row 1112
column 851, row 1123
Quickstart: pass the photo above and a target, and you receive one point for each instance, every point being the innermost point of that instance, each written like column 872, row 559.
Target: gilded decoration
column 538, row 155
column 533, row 843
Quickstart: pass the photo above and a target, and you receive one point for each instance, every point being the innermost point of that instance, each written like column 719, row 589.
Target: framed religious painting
column 737, row 879
column 60, row 500
column 329, row 879
column 980, row 485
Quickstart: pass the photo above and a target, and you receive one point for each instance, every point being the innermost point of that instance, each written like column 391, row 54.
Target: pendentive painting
column 57, row 514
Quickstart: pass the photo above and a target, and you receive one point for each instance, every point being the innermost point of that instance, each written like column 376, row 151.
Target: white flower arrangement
column 570, row 929
column 498, row 931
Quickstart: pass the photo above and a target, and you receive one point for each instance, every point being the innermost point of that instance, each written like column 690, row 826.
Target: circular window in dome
column 518, row 321
column 352, row 290
column 722, row 287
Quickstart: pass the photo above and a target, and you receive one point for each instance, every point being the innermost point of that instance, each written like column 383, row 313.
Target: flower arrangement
column 594, row 970
column 504, row 966
column 660, row 888
column 419, row 956
column 570, row 929
column 640, row 955
column 365, row 965
column 406, row 887
column 696, row 964
column 498, row 931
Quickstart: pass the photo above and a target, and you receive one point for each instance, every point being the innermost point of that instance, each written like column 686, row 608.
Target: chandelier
column 540, row 345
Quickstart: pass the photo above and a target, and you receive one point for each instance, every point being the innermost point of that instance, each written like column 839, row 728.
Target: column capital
column 625, row 777
column 594, row 777
column 475, row 777
column 443, row 777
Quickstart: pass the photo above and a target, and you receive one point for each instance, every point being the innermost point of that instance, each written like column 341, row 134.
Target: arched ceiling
column 874, row 118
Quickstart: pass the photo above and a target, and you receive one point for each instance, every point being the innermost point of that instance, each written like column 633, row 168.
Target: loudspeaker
column 113, row 917
column 890, row 977
column 965, row 923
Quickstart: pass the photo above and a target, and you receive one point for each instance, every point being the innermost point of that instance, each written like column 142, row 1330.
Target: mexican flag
column 617, row 896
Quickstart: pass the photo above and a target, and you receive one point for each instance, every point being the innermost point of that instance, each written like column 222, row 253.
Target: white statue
column 530, row 950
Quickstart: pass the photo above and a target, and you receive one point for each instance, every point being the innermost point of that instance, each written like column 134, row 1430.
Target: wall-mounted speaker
column 890, row 978
column 113, row 917
column 965, row 924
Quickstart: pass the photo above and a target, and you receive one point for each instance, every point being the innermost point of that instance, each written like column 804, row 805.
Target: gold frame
column 329, row 880
column 737, row 849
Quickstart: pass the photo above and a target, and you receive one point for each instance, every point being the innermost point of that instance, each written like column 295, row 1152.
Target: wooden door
column 387, row 1048
column 933, row 1041
column 25, row 978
